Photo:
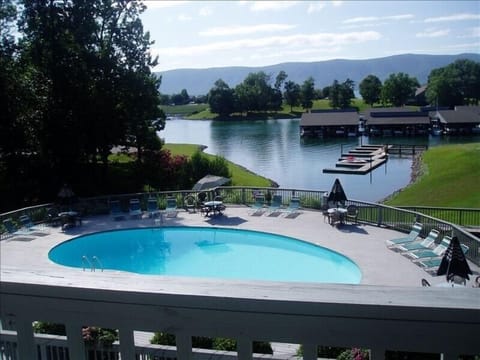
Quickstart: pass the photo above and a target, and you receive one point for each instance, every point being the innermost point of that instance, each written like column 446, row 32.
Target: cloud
column 155, row 4
column 184, row 17
column 363, row 19
column 272, row 5
column 244, row 30
column 299, row 41
column 315, row 7
column 454, row 17
column 433, row 33
column 205, row 11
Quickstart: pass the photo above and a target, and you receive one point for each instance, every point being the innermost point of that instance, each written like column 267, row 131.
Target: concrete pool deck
column 25, row 258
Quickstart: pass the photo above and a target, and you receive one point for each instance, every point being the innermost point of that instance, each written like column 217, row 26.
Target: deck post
column 76, row 345
column 184, row 346
column 26, row 343
column 310, row 351
column 127, row 343
column 244, row 349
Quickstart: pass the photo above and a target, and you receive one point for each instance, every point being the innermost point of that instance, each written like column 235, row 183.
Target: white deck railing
column 433, row 320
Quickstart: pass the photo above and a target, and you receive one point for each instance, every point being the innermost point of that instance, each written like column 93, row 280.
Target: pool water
column 209, row 253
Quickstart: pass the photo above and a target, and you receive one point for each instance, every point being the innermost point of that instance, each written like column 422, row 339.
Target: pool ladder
column 91, row 263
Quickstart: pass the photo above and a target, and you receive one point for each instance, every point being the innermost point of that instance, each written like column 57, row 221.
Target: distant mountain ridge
column 200, row 81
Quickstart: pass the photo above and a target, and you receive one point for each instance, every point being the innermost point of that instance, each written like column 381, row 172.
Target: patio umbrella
column 337, row 194
column 209, row 182
column 454, row 261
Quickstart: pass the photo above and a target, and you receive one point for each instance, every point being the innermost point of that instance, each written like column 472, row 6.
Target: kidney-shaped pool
column 208, row 252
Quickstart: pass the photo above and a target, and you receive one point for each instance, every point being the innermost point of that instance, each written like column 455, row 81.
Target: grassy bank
column 240, row 175
column 202, row 112
column 450, row 178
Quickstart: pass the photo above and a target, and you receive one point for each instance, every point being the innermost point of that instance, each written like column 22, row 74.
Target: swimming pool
column 210, row 253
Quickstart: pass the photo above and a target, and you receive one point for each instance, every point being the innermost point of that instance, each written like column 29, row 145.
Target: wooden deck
column 361, row 160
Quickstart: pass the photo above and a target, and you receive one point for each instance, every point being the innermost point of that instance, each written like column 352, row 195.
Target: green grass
column 240, row 175
column 451, row 178
column 184, row 110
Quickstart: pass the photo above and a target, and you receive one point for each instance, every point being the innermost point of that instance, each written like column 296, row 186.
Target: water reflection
column 274, row 149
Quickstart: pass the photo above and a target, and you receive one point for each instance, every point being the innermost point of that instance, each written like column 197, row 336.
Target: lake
column 274, row 149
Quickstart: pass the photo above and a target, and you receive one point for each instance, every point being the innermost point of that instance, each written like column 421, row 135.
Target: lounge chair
column 152, row 207
column 29, row 225
column 435, row 262
column 414, row 233
column 135, row 211
column 13, row 230
column 424, row 244
column 293, row 207
column 171, row 209
column 116, row 210
column 352, row 214
column 430, row 253
column 257, row 207
column 275, row 205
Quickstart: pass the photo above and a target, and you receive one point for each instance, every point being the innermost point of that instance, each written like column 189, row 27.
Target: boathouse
column 396, row 121
column 460, row 120
column 323, row 123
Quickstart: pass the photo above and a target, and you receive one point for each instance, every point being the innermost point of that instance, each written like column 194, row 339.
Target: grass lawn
column 240, row 175
column 451, row 178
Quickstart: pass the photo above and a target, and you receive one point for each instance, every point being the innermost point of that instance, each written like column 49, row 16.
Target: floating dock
column 361, row 160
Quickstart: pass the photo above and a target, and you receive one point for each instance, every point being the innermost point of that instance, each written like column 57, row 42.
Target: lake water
column 274, row 149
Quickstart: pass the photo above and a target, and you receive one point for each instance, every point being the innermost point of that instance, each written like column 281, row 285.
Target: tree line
column 455, row 84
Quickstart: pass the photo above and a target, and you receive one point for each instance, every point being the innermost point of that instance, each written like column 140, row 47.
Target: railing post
column 377, row 354
column 244, row 349
column 127, row 343
column 26, row 343
column 380, row 216
column 184, row 346
column 310, row 351
column 76, row 345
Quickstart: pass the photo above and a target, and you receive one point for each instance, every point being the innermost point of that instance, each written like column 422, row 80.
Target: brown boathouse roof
column 333, row 118
column 461, row 115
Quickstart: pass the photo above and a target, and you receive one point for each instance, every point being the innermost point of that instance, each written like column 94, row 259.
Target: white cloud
column 244, row 30
column 364, row 19
column 155, row 4
column 433, row 33
column 300, row 41
column 205, row 11
column 184, row 17
column 454, row 17
column 315, row 7
column 272, row 5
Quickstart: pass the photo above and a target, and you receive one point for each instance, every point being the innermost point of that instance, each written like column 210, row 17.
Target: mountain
column 200, row 81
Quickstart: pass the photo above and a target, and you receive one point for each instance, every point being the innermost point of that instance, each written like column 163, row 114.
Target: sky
column 206, row 34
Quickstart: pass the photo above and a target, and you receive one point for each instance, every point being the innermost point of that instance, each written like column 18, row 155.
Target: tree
column 398, row 88
column 292, row 94
column 370, row 89
column 342, row 94
column 221, row 99
column 280, row 79
column 455, row 84
column 307, row 93
column 255, row 93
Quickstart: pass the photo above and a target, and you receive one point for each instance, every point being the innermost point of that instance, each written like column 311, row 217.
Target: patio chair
column 414, row 233
column 424, row 244
column 135, row 211
column 29, row 225
column 190, row 204
column 152, row 207
column 116, row 210
column 171, row 209
column 428, row 253
column 293, row 207
column 258, row 205
column 13, row 230
column 352, row 214
column 275, row 205
column 435, row 262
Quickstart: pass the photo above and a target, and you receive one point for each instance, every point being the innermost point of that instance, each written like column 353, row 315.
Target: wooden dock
column 361, row 160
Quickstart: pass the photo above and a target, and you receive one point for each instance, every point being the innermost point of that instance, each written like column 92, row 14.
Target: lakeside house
column 391, row 121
